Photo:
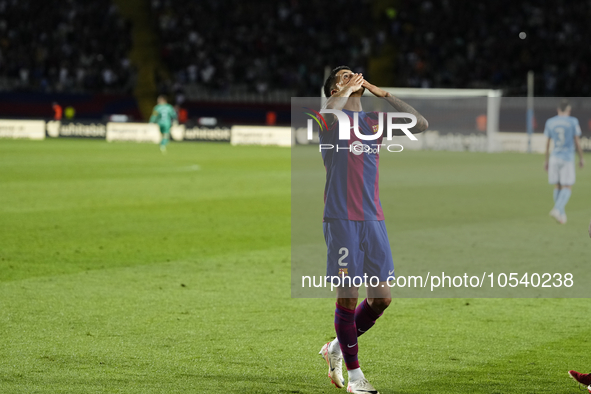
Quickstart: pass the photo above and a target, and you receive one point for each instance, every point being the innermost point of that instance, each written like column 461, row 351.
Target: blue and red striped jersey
column 351, row 191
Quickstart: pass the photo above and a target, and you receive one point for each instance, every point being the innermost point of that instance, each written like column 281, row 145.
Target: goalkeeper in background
column 163, row 114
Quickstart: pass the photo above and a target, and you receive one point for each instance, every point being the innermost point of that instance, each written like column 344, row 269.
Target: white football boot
column 335, row 365
column 555, row 213
column 361, row 386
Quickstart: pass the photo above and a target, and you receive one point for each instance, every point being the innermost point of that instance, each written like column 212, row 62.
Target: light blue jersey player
column 564, row 130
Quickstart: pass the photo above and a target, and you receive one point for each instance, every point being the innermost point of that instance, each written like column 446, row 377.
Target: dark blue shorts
column 356, row 248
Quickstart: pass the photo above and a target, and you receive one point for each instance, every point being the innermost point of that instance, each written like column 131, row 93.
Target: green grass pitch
column 126, row 271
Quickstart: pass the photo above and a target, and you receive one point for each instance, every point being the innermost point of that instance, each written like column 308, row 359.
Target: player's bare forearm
column 579, row 151
column 548, row 149
column 401, row 106
column 547, row 154
column 373, row 89
column 339, row 99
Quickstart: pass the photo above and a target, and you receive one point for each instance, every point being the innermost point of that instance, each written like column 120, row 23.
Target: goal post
column 487, row 99
column 459, row 119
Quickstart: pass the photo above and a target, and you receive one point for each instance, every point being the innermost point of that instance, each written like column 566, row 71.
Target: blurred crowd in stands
column 64, row 46
column 286, row 44
column 262, row 45
column 265, row 46
column 475, row 44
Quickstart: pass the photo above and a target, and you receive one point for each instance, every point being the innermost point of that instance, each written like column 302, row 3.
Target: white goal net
column 459, row 119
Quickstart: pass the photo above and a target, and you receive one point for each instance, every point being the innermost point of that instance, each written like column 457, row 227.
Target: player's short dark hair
column 330, row 81
column 563, row 104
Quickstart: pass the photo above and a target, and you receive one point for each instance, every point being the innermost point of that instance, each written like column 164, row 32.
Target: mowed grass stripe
column 75, row 217
column 151, row 327
column 216, row 333
column 118, row 320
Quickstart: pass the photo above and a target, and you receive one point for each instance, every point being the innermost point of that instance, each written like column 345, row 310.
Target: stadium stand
column 64, row 46
column 233, row 46
column 224, row 47
column 478, row 45
column 217, row 53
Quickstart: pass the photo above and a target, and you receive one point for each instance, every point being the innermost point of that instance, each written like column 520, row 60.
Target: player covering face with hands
column 349, row 84
column 354, row 228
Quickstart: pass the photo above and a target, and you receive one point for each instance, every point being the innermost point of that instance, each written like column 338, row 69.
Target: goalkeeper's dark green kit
column 163, row 115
